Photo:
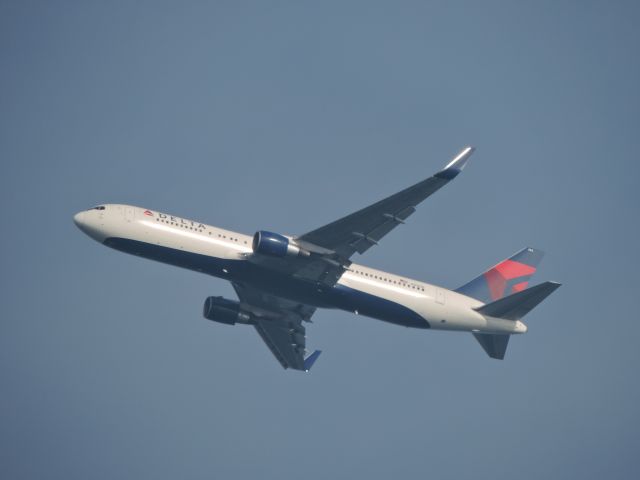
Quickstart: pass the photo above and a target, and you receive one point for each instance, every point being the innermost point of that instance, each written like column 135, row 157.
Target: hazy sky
column 285, row 116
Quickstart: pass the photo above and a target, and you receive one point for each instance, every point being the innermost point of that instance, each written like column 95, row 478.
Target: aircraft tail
column 509, row 276
column 503, row 289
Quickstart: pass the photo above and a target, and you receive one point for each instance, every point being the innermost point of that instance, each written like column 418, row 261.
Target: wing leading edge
column 361, row 230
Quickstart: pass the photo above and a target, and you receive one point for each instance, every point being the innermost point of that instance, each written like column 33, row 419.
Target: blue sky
column 285, row 116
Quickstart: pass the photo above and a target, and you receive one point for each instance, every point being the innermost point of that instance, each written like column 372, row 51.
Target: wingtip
column 455, row 166
column 310, row 360
column 460, row 160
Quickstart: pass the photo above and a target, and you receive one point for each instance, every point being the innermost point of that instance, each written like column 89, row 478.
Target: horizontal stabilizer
column 494, row 344
column 517, row 305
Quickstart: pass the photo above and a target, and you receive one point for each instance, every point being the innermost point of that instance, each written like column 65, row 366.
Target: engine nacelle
column 223, row 310
column 276, row 245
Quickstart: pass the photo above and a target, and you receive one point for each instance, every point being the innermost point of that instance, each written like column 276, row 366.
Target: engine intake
column 276, row 245
column 223, row 310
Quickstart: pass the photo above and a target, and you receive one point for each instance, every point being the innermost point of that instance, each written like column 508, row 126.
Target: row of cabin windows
column 384, row 279
column 388, row 280
column 230, row 238
column 196, row 229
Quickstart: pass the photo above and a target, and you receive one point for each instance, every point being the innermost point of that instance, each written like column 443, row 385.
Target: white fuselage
column 226, row 254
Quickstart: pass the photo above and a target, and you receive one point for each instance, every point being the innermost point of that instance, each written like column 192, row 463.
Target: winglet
column 310, row 360
column 455, row 166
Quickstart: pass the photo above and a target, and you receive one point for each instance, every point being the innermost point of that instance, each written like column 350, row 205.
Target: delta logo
column 508, row 273
column 148, row 213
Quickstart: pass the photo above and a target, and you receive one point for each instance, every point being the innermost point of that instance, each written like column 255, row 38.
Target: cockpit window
column 99, row 207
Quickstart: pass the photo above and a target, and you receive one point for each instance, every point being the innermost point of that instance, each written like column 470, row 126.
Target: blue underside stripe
column 369, row 305
column 339, row 296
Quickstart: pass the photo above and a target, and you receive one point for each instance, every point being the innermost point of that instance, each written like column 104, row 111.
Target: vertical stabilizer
column 509, row 276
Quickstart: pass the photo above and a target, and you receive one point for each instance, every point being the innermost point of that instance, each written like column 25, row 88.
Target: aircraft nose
column 78, row 219
column 91, row 224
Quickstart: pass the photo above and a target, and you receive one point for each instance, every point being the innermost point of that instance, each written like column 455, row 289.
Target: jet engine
column 276, row 245
column 223, row 310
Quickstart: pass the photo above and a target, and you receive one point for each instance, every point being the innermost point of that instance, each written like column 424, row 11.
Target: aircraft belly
column 413, row 307
column 380, row 308
column 208, row 264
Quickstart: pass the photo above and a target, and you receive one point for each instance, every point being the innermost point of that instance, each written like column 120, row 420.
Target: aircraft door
column 440, row 298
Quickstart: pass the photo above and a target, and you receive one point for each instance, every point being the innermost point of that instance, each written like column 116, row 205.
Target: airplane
column 281, row 279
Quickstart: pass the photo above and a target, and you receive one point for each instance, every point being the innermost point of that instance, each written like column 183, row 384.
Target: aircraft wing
column 361, row 230
column 279, row 323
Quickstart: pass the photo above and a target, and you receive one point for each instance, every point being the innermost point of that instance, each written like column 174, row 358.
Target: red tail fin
column 507, row 277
